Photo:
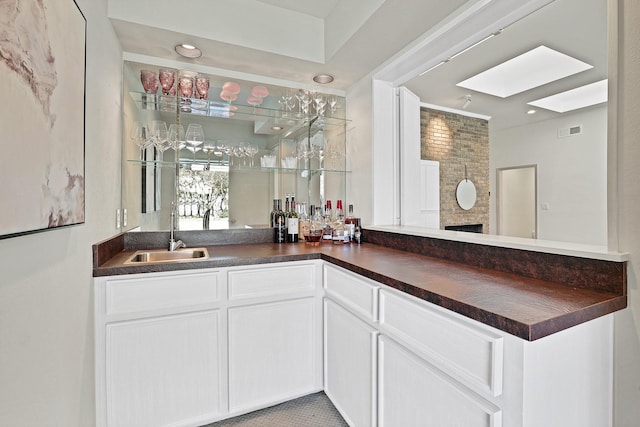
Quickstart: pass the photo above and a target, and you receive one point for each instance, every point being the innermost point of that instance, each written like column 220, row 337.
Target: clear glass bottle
column 340, row 234
column 315, row 230
column 304, row 222
column 350, row 223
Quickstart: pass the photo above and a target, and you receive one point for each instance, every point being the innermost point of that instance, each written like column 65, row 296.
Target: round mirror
column 466, row 194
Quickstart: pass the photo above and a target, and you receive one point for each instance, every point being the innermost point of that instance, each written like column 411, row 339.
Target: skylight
column 581, row 97
column 534, row 68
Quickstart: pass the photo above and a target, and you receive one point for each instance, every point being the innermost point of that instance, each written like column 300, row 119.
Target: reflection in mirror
column 568, row 145
column 224, row 148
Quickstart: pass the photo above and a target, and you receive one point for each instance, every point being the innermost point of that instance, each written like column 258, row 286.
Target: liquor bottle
column 350, row 223
column 304, row 222
column 327, row 225
column 340, row 234
column 286, row 204
column 292, row 221
column 272, row 215
column 279, row 224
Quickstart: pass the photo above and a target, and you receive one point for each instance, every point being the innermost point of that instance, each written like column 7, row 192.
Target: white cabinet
column 350, row 364
column 158, row 353
column 191, row 347
column 434, row 367
column 414, row 393
column 163, row 370
column 275, row 329
column 272, row 353
column 350, row 340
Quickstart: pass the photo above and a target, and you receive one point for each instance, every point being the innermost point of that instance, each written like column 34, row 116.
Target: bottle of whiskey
column 340, row 234
column 292, row 221
column 351, row 222
column 327, row 223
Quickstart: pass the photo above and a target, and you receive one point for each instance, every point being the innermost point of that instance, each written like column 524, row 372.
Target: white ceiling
column 293, row 40
column 319, row 9
column 575, row 27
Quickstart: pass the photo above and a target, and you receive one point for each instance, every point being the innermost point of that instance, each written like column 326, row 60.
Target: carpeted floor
column 314, row 410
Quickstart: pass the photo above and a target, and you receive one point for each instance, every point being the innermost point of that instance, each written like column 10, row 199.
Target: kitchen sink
column 153, row 256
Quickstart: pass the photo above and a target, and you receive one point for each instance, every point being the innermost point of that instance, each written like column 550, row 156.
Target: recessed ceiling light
column 581, row 97
column 323, row 79
column 276, row 127
column 534, row 68
column 531, row 112
column 188, row 51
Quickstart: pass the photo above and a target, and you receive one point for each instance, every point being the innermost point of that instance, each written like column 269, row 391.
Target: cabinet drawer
column 176, row 292
column 465, row 351
column 353, row 291
column 266, row 281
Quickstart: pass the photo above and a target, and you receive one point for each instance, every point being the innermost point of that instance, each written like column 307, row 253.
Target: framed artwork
column 42, row 116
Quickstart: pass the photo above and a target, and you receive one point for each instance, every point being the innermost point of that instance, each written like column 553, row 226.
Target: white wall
column 359, row 155
column 46, row 314
column 627, row 322
column 572, row 174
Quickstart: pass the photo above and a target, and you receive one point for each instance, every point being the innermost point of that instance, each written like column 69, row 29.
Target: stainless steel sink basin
column 162, row 255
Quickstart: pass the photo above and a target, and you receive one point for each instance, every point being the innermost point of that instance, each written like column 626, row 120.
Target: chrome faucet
column 173, row 244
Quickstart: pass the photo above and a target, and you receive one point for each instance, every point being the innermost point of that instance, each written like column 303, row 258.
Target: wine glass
column 302, row 97
column 208, row 147
column 149, row 81
column 333, row 104
column 167, row 79
column 159, row 136
column 202, row 87
column 139, row 136
column 319, row 102
column 238, row 153
column 194, row 137
column 252, row 150
column 176, row 137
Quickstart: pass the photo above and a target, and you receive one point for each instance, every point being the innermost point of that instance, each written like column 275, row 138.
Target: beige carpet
column 314, row 410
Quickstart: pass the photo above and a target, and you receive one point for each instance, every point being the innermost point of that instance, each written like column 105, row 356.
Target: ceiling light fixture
column 188, row 50
column 531, row 112
column 467, row 101
column 276, row 127
column 323, row 79
column 497, row 33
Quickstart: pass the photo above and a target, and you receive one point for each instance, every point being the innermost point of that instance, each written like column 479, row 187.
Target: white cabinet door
column 350, row 365
column 274, row 350
column 163, row 370
column 413, row 393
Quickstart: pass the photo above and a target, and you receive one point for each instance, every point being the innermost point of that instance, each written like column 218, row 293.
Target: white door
column 350, row 365
column 516, row 202
column 163, row 370
column 413, row 393
column 419, row 179
column 272, row 353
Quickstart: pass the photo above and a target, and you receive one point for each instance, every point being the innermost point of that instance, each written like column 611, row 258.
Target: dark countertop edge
column 526, row 331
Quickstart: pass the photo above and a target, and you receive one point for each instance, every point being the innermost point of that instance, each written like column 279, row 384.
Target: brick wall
column 455, row 141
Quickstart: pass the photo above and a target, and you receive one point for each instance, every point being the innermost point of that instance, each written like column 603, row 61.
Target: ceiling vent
column 569, row 131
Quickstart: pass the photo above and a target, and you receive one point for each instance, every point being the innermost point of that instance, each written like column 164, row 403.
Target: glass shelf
column 224, row 110
column 241, row 168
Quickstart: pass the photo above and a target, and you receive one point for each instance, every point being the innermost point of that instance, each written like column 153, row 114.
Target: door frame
column 499, row 193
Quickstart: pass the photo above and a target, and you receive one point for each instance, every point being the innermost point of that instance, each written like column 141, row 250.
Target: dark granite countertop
column 527, row 307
